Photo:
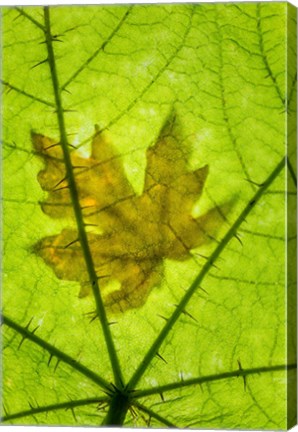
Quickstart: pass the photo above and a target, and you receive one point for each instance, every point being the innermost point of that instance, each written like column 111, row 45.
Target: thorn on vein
column 243, row 376
column 57, row 364
column 71, row 243
column 161, row 357
column 238, row 238
column 40, row 63
column 51, row 146
column 163, row 317
column 61, row 188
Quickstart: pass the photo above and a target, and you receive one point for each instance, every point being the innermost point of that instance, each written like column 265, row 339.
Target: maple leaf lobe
column 132, row 235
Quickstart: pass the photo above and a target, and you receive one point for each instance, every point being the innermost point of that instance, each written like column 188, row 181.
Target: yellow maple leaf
column 132, row 234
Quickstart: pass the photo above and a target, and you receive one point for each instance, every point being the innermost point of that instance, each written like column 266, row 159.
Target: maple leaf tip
column 34, row 249
column 36, row 139
column 35, row 136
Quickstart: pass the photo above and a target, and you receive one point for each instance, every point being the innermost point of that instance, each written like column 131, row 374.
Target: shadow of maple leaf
column 131, row 235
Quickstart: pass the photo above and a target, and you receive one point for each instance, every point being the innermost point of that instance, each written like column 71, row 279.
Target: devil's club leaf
column 210, row 346
column 138, row 232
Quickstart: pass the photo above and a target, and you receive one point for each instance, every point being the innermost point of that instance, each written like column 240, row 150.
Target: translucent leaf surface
column 145, row 168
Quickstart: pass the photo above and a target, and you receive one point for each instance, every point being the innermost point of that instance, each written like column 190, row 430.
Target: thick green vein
column 55, row 352
column 69, row 405
column 211, row 378
column 77, row 208
column 24, row 93
column 153, row 414
column 196, row 283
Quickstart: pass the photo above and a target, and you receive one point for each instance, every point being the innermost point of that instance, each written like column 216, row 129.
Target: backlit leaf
column 149, row 196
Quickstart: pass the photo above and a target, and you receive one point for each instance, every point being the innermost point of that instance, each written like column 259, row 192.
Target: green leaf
column 212, row 343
